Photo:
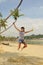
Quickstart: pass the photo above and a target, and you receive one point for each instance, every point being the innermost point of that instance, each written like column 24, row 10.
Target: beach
column 32, row 55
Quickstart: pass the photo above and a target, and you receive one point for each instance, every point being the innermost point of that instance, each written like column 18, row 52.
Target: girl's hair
column 22, row 28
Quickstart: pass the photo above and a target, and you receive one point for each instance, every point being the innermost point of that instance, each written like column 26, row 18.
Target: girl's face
column 22, row 29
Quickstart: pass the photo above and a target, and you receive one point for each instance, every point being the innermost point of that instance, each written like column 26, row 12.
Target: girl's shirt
column 21, row 35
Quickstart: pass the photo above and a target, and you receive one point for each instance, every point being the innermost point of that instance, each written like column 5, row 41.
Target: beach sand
column 32, row 55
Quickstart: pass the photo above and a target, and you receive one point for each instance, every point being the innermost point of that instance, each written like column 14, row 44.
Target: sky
column 33, row 16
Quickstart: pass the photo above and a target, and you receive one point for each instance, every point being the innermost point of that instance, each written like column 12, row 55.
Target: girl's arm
column 16, row 27
column 29, row 31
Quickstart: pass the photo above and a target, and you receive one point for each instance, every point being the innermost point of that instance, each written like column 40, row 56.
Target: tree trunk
column 15, row 9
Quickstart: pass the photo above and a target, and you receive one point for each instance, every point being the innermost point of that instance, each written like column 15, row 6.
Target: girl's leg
column 25, row 45
column 19, row 46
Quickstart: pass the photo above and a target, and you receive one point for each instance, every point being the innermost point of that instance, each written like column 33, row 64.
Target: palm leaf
column 21, row 15
column 0, row 14
column 3, row 23
column 16, row 14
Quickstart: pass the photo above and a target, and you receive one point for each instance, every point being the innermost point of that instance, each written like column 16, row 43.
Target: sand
column 32, row 55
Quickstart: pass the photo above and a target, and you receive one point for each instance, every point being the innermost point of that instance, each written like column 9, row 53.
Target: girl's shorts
column 21, row 41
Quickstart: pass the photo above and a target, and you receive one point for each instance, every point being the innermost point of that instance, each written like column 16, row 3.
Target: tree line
column 15, row 38
column 34, row 36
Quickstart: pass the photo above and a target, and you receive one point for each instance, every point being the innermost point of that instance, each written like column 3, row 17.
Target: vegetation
column 16, row 14
column 0, row 14
column 3, row 38
column 26, row 37
column 34, row 36
column 2, row 22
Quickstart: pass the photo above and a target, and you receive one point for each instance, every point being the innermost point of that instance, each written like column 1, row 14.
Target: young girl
column 21, row 36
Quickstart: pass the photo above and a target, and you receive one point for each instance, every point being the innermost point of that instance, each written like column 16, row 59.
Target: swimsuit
column 21, row 37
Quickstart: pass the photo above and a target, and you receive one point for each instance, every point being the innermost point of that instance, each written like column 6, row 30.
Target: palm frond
column 0, row 14
column 21, row 15
column 16, row 14
column 3, row 23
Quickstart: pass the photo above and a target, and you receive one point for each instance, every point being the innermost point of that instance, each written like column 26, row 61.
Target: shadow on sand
column 15, row 59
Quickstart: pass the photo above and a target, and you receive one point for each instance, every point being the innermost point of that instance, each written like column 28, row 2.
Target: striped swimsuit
column 21, row 37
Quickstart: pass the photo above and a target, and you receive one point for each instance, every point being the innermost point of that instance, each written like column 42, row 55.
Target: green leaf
column 3, row 23
column 21, row 15
column 16, row 14
column 0, row 14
